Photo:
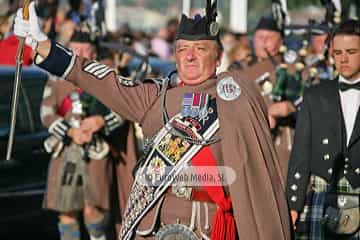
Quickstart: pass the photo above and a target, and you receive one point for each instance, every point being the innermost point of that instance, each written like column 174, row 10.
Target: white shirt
column 350, row 102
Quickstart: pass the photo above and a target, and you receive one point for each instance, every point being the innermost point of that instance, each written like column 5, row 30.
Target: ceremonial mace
column 15, row 96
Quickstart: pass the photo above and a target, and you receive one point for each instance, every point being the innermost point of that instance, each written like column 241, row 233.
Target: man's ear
column 94, row 54
column 219, row 57
column 331, row 49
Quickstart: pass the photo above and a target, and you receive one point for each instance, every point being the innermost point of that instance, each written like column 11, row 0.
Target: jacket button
column 345, row 172
column 294, row 187
column 357, row 171
column 325, row 141
column 346, row 166
column 330, row 171
column 346, row 159
column 326, row 157
column 293, row 198
column 297, row 176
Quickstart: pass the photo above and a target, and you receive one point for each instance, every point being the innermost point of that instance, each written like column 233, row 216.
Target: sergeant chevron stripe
column 98, row 70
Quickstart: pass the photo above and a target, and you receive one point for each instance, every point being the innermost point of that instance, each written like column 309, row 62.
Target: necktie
column 345, row 86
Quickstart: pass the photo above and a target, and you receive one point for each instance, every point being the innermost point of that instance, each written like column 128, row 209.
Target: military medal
column 204, row 105
column 195, row 108
column 195, row 105
column 228, row 89
column 203, row 114
column 186, row 104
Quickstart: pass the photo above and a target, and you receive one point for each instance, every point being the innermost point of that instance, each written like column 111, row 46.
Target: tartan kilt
column 309, row 225
column 99, row 178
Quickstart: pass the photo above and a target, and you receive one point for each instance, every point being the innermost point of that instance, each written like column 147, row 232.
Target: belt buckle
column 341, row 201
column 348, row 201
column 181, row 191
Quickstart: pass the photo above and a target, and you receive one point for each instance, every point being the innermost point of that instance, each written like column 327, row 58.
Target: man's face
column 266, row 41
column 228, row 40
column 318, row 43
column 85, row 50
column 346, row 52
column 196, row 60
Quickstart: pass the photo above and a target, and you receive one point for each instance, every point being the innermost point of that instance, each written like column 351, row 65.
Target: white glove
column 30, row 30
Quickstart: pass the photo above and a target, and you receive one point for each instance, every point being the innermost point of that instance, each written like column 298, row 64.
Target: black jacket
column 319, row 139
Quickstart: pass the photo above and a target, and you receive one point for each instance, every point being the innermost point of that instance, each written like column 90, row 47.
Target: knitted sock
column 69, row 231
column 97, row 229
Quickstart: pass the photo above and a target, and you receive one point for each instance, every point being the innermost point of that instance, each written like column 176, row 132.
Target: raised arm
column 93, row 77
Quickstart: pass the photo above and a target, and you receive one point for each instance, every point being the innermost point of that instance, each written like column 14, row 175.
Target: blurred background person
column 9, row 44
column 239, row 56
column 74, row 17
column 171, row 28
column 160, row 46
column 228, row 40
column 162, row 42
column 323, row 66
column 5, row 26
column 80, row 172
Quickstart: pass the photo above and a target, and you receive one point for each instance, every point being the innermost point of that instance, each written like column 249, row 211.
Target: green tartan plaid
column 318, row 184
column 309, row 226
column 287, row 86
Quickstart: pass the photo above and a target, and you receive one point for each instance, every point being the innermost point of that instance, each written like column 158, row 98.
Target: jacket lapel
column 355, row 135
column 356, row 131
column 330, row 104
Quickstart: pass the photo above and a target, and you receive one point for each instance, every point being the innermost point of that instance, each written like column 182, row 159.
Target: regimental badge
column 290, row 56
column 228, row 89
column 156, row 170
column 214, row 28
column 173, row 147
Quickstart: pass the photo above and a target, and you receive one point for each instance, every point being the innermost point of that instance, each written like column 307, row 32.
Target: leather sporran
column 342, row 214
column 175, row 232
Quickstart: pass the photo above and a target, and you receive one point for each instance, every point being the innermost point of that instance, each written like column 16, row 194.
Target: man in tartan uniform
column 328, row 129
column 309, row 225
